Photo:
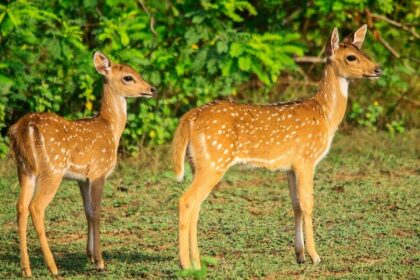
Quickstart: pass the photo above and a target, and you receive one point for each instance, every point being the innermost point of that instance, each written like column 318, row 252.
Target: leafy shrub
column 366, row 116
column 194, row 52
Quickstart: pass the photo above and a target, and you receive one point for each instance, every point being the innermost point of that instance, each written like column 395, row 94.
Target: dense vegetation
column 196, row 51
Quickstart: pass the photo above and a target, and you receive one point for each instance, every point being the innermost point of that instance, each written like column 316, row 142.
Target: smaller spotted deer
column 292, row 136
column 49, row 148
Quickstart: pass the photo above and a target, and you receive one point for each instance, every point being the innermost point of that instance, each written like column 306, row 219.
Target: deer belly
column 272, row 156
column 90, row 162
column 95, row 169
column 282, row 162
column 77, row 171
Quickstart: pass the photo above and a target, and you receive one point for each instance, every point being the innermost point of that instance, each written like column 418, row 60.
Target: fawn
column 48, row 148
column 291, row 136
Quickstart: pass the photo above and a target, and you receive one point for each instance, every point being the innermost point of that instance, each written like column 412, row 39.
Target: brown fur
column 49, row 148
column 291, row 136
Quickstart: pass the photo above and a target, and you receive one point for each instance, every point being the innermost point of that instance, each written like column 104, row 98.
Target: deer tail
column 22, row 137
column 179, row 146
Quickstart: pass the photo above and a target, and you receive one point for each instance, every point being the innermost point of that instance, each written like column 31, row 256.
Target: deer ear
column 332, row 44
column 102, row 63
column 357, row 37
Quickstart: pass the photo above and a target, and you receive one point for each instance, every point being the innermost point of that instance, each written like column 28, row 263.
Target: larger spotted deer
column 49, row 148
column 293, row 136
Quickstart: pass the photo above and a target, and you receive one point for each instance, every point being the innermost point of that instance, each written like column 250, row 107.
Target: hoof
column 186, row 266
column 26, row 272
column 100, row 269
column 91, row 258
column 100, row 266
column 316, row 260
column 300, row 258
column 54, row 271
column 196, row 265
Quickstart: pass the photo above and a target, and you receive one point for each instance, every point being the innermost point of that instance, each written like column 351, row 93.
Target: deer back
column 273, row 136
column 82, row 148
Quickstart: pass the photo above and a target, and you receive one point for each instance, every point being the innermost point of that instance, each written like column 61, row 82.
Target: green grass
column 366, row 219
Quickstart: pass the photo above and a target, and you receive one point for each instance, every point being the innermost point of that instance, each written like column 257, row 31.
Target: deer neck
column 113, row 110
column 332, row 95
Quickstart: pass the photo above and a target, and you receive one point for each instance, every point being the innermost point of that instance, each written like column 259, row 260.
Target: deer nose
column 378, row 71
column 153, row 90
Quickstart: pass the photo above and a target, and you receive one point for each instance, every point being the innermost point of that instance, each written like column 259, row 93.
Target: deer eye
column 128, row 78
column 351, row 58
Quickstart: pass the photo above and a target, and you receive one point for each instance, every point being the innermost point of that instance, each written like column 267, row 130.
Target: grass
column 366, row 219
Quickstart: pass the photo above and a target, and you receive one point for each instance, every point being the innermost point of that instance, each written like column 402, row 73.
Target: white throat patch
column 344, row 86
column 124, row 105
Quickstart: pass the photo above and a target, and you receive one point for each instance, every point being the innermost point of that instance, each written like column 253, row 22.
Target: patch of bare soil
column 67, row 238
column 402, row 233
column 370, row 261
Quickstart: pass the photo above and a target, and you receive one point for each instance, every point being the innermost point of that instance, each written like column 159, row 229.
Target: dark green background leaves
column 201, row 50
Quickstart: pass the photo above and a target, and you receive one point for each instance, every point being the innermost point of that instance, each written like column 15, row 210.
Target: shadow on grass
column 70, row 264
column 77, row 263
column 141, row 260
column 12, row 260
column 135, row 257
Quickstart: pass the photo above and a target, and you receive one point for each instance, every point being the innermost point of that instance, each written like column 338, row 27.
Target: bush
column 194, row 52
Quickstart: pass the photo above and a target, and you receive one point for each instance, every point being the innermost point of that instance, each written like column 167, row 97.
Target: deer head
column 347, row 59
column 122, row 78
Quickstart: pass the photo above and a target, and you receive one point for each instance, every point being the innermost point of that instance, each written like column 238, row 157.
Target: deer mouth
column 372, row 77
column 147, row 94
column 375, row 74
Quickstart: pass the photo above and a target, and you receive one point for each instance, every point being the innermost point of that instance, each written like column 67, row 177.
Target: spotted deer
column 293, row 136
column 48, row 148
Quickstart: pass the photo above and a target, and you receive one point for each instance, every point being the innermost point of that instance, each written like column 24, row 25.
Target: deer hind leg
column 193, row 242
column 299, row 243
column 27, row 186
column 306, row 201
column 210, row 181
column 96, row 191
column 47, row 187
column 85, row 192
column 189, row 208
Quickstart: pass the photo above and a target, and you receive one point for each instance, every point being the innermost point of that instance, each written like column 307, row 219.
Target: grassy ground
column 366, row 219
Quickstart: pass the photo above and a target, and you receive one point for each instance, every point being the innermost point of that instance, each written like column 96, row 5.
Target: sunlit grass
column 366, row 219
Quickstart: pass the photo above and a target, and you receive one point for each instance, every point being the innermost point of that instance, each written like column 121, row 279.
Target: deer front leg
column 306, row 201
column 184, row 229
column 299, row 243
column 194, row 252
column 94, row 213
column 85, row 192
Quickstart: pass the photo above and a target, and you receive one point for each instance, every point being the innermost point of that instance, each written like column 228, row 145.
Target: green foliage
column 194, row 52
column 42, row 60
column 395, row 127
column 366, row 116
column 198, row 274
